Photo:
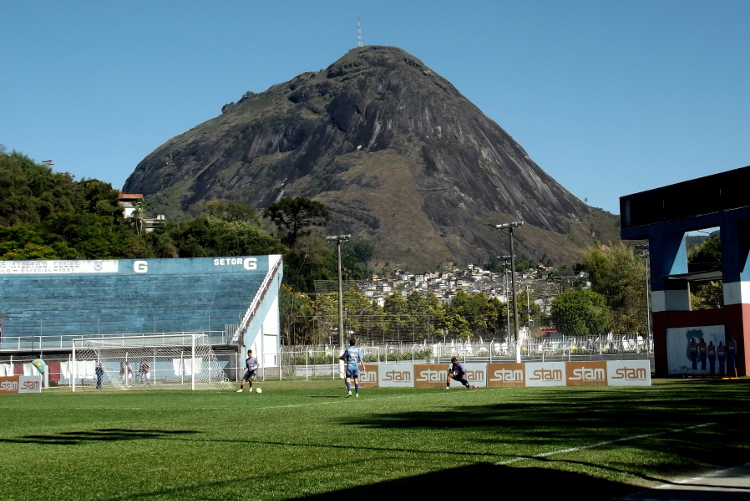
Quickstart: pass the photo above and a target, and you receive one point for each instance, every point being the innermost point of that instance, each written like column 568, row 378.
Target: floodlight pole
column 506, row 259
column 510, row 227
column 338, row 239
column 646, row 259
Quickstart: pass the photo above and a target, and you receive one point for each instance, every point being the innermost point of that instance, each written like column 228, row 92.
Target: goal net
column 166, row 361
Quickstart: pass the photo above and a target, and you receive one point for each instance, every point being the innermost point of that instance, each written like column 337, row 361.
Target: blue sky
column 609, row 98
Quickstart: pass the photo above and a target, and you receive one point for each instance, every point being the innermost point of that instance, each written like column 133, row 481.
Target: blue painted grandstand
column 234, row 297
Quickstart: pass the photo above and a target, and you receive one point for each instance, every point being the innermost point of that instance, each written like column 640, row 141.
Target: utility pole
column 510, row 227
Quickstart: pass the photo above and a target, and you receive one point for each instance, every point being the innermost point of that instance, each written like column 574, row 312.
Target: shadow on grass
column 678, row 429
column 553, row 414
column 486, row 480
column 101, row 435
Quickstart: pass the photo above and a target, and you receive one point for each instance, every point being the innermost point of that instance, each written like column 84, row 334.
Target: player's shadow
column 486, row 480
column 101, row 435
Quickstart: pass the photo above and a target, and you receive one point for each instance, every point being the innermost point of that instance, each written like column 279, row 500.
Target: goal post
column 158, row 361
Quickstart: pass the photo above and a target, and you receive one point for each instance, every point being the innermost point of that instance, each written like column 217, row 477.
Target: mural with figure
column 696, row 350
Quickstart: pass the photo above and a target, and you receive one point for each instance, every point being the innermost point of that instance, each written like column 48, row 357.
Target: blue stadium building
column 45, row 304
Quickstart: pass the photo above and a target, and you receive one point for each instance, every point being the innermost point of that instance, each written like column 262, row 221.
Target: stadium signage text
column 20, row 384
column 369, row 377
column 398, row 376
column 57, row 267
column 401, row 374
column 9, row 386
column 588, row 373
column 584, row 374
column 547, row 375
column 629, row 373
column 248, row 263
column 506, row 375
column 429, row 375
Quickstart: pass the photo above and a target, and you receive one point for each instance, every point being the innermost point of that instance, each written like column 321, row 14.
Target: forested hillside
column 48, row 215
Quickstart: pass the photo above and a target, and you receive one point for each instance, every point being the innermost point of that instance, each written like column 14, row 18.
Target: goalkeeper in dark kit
column 458, row 373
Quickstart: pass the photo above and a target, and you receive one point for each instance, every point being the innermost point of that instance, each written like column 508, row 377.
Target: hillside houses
column 446, row 284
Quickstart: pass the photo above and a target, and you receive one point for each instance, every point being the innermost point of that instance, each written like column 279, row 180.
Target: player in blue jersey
column 458, row 373
column 251, row 363
column 352, row 357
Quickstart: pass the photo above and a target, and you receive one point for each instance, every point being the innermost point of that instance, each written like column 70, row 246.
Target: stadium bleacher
column 55, row 298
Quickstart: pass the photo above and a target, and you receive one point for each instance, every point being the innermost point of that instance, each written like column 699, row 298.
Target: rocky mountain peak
column 393, row 150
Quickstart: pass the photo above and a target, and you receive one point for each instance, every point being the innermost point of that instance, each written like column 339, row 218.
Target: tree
column 296, row 311
column 225, row 210
column 354, row 257
column 98, row 197
column 92, row 236
column 620, row 276
column 395, row 309
column 327, row 312
column 471, row 308
column 706, row 256
column 707, row 295
column 30, row 192
column 497, row 314
column 311, row 259
column 357, row 307
column 295, row 216
column 580, row 312
column 30, row 252
column 209, row 236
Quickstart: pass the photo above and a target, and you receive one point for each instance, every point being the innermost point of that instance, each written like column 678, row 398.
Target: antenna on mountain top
column 359, row 34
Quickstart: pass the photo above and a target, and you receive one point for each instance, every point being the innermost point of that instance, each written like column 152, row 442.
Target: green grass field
column 305, row 440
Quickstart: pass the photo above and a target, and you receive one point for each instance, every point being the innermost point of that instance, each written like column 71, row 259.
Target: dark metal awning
column 698, row 276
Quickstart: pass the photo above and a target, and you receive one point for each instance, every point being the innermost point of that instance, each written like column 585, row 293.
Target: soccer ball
column 258, row 390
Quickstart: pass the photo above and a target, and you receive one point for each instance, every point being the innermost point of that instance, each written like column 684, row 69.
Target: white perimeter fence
column 322, row 361
column 310, row 362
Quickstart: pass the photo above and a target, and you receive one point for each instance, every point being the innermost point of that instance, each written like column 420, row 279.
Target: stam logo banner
column 506, row 375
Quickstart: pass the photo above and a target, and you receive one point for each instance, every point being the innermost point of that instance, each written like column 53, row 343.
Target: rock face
column 396, row 154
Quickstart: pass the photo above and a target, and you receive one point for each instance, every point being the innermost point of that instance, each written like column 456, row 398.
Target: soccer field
column 305, row 440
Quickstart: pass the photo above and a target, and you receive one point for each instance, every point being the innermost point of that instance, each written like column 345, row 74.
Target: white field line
column 606, row 442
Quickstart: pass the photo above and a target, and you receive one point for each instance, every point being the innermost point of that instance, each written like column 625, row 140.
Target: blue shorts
column 352, row 373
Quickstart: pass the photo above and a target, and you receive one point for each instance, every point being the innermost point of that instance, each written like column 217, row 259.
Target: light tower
column 359, row 33
column 338, row 239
